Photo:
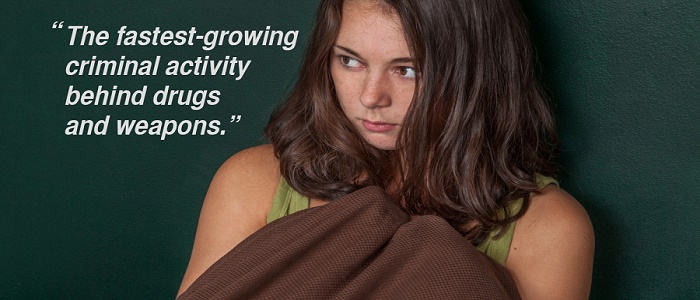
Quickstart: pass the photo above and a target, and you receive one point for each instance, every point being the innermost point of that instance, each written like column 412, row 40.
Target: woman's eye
column 349, row 62
column 407, row 72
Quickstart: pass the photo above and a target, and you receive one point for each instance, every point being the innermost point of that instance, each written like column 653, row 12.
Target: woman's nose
column 376, row 91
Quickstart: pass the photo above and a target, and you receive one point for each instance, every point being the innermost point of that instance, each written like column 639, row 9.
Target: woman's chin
column 382, row 143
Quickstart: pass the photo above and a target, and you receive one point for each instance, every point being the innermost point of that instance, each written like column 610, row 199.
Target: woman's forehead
column 371, row 5
column 371, row 31
column 368, row 14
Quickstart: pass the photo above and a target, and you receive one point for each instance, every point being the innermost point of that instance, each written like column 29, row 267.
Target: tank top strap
column 287, row 201
column 543, row 181
column 497, row 247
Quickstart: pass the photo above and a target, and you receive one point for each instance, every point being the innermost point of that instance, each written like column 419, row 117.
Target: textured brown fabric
column 361, row 246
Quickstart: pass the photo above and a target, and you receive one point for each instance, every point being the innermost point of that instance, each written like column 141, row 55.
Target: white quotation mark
column 57, row 25
column 235, row 118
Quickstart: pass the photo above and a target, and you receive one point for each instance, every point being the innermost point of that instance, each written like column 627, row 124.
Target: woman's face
column 372, row 71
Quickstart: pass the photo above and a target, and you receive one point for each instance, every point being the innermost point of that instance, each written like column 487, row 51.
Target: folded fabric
column 362, row 246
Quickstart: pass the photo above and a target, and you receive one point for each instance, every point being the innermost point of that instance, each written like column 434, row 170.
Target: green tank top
column 288, row 201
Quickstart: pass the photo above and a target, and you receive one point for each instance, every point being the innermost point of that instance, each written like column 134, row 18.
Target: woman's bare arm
column 236, row 205
column 551, row 255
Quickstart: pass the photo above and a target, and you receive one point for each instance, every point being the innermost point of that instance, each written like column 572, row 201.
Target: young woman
column 437, row 103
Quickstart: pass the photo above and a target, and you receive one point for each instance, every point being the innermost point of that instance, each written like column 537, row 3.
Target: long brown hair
column 477, row 132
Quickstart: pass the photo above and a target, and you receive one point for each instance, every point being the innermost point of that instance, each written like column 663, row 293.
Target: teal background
column 99, row 217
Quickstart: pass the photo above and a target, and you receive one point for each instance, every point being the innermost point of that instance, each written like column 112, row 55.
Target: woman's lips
column 378, row 126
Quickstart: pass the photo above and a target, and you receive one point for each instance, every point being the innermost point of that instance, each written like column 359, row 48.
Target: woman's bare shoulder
column 250, row 169
column 246, row 182
column 236, row 205
column 551, row 255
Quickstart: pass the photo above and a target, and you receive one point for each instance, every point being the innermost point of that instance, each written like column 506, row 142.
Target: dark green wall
column 113, row 216
column 625, row 80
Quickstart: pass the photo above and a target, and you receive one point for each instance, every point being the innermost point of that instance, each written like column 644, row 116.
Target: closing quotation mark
column 57, row 25
column 235, row 118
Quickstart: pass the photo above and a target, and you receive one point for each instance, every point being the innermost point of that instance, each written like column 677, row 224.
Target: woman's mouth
column 378, row 126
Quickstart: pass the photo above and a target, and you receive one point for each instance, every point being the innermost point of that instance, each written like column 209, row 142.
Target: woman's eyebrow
column 393, row 61
column 348, row 50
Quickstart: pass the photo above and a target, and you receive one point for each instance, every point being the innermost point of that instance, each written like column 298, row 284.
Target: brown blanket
column 361, row 246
